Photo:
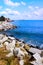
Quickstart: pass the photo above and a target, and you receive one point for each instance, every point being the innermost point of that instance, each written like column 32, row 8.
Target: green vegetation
column 2, row 18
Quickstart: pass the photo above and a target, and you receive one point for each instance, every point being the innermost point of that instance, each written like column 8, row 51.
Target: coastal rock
column 38, row 59
column 35, row 50
column 15, row 52
column 6, row 25
column 41, row 54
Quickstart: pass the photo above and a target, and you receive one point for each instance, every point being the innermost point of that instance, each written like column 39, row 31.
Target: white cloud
column 36, row 7
column 33, row 12
column 16, row 12
column 40, row 11
column 10, row 11
column 16, row 4
column 13, row 14
column 3, row 13
column 10, row 3
column 7, row 9
column 36, row 13
column 31, row 7
column 23, row 3
column 0, row 7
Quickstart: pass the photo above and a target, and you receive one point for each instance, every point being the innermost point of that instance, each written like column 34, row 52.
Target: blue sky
column 22, row 9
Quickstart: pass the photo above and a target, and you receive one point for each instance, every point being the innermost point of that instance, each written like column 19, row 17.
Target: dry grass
column 27, row 47
column 15, row 62
column 3, row 62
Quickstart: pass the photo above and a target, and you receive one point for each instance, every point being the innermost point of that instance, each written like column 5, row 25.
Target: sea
column 30, row 31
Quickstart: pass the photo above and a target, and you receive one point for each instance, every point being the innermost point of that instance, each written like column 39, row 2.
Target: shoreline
column 4, row 25
column 30, row 44
column 14, row 51
column 19, row 50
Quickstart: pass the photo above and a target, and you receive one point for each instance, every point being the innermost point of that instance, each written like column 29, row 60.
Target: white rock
column 10, row 46
column 34, row 50
column 1, row 45
column 18, row 52
column 11, row 38
column 39, row 59
column 10, row 54
column 7, row 45
column 3, row 39
column 34, row 63
column 21, row 62
column 13, row 43
column 37, row 56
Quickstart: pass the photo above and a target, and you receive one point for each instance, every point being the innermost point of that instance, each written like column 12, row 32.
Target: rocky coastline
column 16, row 52
column 4, row 25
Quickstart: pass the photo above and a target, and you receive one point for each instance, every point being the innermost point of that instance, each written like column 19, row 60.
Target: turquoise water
column 31, row 31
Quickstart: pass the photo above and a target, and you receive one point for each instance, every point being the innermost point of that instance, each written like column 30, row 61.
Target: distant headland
column 5, row 25
column 2, row 18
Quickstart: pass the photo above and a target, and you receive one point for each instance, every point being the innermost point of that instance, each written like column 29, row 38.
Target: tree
column 2, row 18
